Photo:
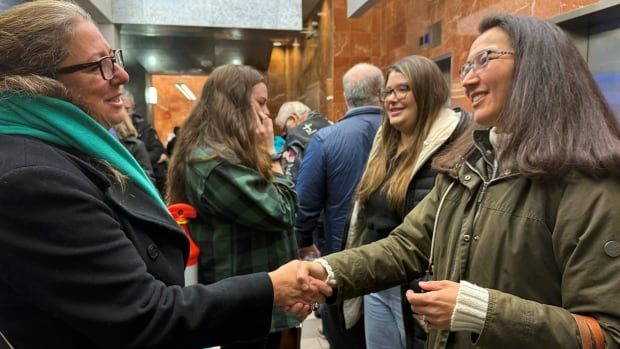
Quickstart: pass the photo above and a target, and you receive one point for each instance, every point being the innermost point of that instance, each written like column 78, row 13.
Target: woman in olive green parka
column 522, row 229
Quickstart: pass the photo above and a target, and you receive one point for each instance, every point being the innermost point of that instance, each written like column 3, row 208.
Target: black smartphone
column 415, row 286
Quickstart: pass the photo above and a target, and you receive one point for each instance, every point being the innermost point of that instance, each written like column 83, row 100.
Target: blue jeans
column 383, row 319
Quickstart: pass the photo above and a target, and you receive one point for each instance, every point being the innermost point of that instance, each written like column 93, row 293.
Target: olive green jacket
column 544, row 251
column 440, row 133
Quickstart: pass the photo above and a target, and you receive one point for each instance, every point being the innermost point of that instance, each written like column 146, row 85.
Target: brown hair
column 35, row 39
column 125, row 128
column 222, row 120
column 556, row 115
column 430, row 92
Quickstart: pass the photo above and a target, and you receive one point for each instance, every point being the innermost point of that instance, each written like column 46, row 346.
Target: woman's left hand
column 436, row 304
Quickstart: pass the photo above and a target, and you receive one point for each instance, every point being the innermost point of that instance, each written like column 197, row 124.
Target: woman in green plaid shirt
column 225, row 166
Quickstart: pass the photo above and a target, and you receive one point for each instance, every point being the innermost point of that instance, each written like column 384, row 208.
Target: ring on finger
column 314, row 306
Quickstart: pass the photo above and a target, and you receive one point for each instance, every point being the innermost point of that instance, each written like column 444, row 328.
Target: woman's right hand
column 264, row 131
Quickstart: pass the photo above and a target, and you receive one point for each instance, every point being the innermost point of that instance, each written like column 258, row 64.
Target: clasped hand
column 298, row 286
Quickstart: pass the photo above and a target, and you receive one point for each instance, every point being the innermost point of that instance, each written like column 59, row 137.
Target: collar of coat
column 64, row 124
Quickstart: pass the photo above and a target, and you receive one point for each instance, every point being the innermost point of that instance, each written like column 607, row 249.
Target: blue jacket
column 331, row 169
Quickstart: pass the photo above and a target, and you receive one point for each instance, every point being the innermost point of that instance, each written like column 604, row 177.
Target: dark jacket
column 297, row 140
column 138, row 150
column 86, row 264
column 148, row 135
column 244, row 223
column 332, row 167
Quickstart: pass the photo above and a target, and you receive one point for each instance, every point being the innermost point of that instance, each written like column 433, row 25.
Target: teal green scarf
column 62, row 123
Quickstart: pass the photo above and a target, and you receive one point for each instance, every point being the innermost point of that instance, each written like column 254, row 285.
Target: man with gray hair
column 298, row 124
column 330, row 171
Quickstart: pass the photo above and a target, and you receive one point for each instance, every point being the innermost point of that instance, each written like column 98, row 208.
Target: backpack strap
column 590, row 332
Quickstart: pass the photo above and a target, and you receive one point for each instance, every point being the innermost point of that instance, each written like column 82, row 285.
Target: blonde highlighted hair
column 125, row 128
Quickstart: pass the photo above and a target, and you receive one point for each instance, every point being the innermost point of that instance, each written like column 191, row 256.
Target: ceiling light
column 152, row 59
column 236, row 61
column 185, row 91
column 150, row 95
column 277, row 43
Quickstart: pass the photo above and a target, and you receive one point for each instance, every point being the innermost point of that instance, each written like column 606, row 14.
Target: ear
column 295, row 119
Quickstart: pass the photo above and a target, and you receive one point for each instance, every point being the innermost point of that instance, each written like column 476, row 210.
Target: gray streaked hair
column 288, row 108
column 361, row 85
column 35, row 38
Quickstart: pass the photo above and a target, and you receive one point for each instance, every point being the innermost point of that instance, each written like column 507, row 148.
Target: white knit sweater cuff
column 471, row 307
column 331, row 278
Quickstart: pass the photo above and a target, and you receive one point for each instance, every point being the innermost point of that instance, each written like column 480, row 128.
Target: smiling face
column 488, row 88
column 99, row 98
column 402, row 113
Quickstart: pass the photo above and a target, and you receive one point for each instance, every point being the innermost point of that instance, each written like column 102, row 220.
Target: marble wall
column 392, row 29
column 256, row 14
column 303, row 72
column 312, row 72
column 172, row 108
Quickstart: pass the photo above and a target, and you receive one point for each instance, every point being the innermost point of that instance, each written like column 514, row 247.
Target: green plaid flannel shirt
column 244, row 223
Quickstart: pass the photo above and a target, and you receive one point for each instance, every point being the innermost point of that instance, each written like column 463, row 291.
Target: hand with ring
column 436, row 304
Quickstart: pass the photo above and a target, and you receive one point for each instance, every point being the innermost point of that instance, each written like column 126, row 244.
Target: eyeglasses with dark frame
column 106, row 65
column 399, row 92
column 481, row 61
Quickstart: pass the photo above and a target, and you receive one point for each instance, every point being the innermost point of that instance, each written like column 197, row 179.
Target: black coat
column 138, row 150
column 84, row 264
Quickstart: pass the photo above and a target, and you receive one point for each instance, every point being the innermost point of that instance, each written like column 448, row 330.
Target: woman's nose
column 120, row 75
column 470, row 78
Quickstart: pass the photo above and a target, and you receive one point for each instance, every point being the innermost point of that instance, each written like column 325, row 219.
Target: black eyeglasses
column 480, row 61
column 399, row 92
column 106, row 65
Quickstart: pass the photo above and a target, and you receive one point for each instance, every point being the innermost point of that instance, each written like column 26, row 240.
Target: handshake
column 299, row 287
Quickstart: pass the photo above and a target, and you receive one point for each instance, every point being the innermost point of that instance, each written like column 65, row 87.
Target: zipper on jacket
column 479, row 201
column 485, row 185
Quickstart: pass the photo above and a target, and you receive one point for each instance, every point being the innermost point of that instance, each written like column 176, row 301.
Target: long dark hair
column 222, row 120
column 556, row 116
